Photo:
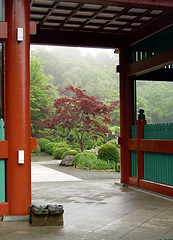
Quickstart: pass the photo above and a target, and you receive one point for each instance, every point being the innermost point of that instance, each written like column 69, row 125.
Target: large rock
column 67, row 161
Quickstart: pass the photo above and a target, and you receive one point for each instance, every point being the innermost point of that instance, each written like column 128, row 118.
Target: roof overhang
column 98, row 23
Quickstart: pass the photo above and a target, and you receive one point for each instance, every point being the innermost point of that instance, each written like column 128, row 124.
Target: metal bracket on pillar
column 118, row 68
column 20, row 34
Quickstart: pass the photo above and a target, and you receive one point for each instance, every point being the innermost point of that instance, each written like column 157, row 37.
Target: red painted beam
column 4, row 149
column 132, row 144
column 161, row 146
column 33, row 143
column 133, row 181
column 151, row 145
column 4, row 209
column 3, row 30
column 156, row 187
column 33, row 28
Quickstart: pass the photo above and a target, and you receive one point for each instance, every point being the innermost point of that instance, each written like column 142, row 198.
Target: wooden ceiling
column 98, row 23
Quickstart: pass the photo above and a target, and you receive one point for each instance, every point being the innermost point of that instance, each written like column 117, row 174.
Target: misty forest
column 53, row 69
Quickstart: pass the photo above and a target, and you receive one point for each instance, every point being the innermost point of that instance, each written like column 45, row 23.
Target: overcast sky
column 93, row 51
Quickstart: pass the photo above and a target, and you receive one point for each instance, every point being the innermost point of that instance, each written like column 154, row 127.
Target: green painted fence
column 2, row 165
column 158, row 131
column 158, row 167
column 158, row 43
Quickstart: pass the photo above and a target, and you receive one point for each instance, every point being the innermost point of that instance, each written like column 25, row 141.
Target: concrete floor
column 97, row 210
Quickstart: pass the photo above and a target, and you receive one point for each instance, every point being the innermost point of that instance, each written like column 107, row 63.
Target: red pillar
column 126, row 115
column 18, row 107
column 140, row 155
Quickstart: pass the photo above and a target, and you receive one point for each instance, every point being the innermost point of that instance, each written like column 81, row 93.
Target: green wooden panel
column 2, row 165
column 133, row 132
column 151, row 46
column 133, row 163
column 1, row 10
column 158, row 131
column 158, row 167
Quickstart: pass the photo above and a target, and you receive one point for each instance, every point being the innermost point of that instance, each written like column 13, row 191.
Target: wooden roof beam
column 150, row 64
column 159, row 4
column 76, row 39
column 149, row 30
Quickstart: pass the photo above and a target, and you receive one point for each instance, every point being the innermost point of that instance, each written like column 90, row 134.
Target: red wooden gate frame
column 141, row 145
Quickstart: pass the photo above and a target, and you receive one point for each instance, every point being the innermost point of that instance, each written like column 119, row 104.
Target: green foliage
column 81, row 113
column 118, row 167
column 114, row 142
column 49, row 147
column 76, row 148
column 36, row 151
column 108, row 152
column 61, row 144
column 90, row 143
column 102, row 165
column 84, row 157
column 69, row 152
column 70, row 66
column 57, row 154
column 51, row 139
column 89, row 160
column 156, row 99
column 41, row 95
column 42, row 143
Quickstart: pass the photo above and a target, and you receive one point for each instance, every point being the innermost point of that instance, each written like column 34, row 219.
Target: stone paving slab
column 40, row 173
column 97, row 210
column 94, row 210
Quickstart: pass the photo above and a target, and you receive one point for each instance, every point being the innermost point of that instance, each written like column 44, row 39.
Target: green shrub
column 76, row 149
column 51, row 139
column 49, row 147
column 114, row 142
column 69, row 152
column 102, row 165
column 42, row 143
column 118, row 167
column 89, row 160
column 84, row 157
column 108, row 152
column 58, row 152
column 36, row 151
column 61, row 145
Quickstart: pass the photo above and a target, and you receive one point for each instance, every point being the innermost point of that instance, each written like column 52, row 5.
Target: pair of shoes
column 37, row 211
column 55, row 209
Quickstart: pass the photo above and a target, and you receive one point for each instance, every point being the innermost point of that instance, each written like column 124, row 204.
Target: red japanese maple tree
column 81, row 113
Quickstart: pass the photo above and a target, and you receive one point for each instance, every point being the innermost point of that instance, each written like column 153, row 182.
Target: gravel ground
column 79, row 173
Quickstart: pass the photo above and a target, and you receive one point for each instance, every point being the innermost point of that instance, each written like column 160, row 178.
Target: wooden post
column 126, row 115
column 140, row 135
column 18, row 105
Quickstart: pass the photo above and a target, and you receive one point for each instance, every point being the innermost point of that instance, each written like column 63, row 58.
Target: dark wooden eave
column 163, row 74
column 98, row 23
